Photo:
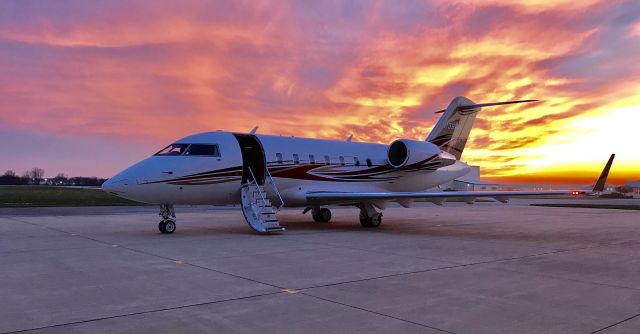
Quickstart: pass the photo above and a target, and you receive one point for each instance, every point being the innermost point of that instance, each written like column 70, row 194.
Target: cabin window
column 356, row 161
column 312, row 159
column 369, row 164
column 173, row 149
column 341, row 160
column 279, row 157
column 296, row 159
column 327, row 160
column 209, row 150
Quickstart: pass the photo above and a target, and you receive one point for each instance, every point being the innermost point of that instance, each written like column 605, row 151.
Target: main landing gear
column 369, row 216
column 321, row 215
column 168, row 223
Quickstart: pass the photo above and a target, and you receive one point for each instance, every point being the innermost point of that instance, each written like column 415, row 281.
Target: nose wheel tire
column 167, row 226
column 322, row 216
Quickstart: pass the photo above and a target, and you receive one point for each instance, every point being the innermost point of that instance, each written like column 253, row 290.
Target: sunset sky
column 90, row 87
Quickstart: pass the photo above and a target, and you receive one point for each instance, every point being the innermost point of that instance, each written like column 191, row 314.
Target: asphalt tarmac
column 483, row 268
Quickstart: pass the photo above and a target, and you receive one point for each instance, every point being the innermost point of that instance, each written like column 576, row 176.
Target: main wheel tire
column 167, row 226
column 322, row 216
column 370, row 221
column 375, row 222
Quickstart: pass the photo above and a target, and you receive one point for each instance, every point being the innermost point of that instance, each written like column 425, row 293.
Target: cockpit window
column 210, row 150
column 173, row 149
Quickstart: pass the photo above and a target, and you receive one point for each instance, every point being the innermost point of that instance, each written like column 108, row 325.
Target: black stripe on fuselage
column 305, row 172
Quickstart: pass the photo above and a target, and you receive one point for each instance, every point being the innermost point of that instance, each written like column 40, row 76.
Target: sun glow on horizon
column 578, row 149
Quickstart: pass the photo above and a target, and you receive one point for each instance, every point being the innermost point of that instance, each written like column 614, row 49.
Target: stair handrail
column 275, row 187
column 264, row 199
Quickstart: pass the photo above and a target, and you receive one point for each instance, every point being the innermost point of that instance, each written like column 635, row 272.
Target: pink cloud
column 153, row 71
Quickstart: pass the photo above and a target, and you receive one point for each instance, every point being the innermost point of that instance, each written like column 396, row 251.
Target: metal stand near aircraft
column 264, row 173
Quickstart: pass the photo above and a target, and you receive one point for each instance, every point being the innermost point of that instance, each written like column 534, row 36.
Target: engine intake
column 404, row 152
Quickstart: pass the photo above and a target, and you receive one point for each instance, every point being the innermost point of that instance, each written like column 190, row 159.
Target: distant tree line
column 35, row 176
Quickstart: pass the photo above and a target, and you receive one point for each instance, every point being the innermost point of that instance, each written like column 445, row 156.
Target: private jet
column 263, row 173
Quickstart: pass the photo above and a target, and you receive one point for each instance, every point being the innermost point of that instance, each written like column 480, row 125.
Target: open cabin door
column 256, row 206
column 252, row 158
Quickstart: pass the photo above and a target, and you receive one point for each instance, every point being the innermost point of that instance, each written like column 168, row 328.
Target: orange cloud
column 155, row 71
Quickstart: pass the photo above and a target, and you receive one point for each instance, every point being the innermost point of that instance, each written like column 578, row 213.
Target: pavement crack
column 443, row 268
column 201, row 267
column 568, row 279
column 151, row 254
column 143, row 312
column 378, row 313
column 616, row 324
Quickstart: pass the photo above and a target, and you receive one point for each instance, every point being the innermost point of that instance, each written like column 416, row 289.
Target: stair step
column 258, row 210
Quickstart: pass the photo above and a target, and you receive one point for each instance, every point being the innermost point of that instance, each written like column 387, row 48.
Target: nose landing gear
column 168, row 223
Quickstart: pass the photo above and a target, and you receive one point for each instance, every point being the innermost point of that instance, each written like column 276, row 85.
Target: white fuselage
column 297, row 166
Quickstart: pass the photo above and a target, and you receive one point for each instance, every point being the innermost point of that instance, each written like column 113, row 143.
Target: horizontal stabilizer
column 480, row 105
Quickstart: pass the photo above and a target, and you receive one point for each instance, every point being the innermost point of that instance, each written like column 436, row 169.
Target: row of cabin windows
column 214, row 151
column 327, row 160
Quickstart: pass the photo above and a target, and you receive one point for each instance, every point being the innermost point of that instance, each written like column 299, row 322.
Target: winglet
column 603, row 176
column 349, row 138
column 253, row 131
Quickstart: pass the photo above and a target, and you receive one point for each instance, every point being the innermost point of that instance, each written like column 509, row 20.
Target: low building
column 474, row 185
column 635, row 186
column 608, row 188
column 469, row 182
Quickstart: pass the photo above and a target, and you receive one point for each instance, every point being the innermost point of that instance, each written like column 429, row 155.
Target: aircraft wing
column 502, row 196
column 405, row 198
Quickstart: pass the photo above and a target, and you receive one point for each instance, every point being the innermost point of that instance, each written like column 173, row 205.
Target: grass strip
column 47, row 196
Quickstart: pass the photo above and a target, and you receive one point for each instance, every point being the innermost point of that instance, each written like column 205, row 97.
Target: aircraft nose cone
column 115, row 186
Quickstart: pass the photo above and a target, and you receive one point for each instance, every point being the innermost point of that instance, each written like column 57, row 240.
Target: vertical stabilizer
column 452, row 130
column 603, row 176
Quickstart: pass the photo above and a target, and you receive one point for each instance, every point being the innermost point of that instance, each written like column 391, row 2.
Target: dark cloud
column 482, row 123
column 480, row 141
column 519, row 142
column 547, row 120
column 484, row 19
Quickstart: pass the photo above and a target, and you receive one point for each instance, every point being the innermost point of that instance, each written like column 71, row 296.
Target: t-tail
column 599, row 187
column 452, row 130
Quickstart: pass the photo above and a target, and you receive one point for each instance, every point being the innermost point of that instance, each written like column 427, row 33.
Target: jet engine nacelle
column 404, row 152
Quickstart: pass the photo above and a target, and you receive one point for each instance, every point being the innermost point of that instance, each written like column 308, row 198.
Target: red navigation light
column 575, row 193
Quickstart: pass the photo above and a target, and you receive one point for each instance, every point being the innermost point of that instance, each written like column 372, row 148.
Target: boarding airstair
column 258, row 210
